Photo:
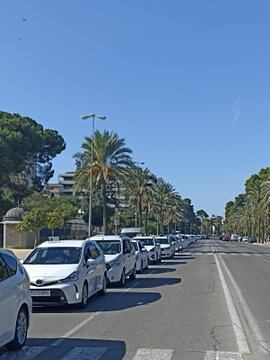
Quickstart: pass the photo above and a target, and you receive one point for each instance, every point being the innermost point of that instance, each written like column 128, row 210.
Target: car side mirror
column 89, row 263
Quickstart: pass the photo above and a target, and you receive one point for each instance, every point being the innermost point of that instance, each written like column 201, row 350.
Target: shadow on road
column 156, row 282
column 175, row 262
column 113, row 301
column 159, row 270
column 74, row 348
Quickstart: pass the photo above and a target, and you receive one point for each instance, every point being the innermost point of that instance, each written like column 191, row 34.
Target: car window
column 4, row 272
column 54, row 256
column 126, row 246
column 93, row 251
column 11, row 263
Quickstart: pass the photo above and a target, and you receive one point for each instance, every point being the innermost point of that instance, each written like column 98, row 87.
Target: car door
column 132, row 255
column 8, row 300
column 96, row 255
column 127, row 255
column 90, row 269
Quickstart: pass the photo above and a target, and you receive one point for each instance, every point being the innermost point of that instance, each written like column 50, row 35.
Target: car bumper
column 60, row 294
column 166, row 253
column 114, row 274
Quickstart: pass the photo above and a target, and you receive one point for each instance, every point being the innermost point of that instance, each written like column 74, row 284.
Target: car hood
column 149, row 247
column 49, row 273
column 109, row 258
column 164, row 246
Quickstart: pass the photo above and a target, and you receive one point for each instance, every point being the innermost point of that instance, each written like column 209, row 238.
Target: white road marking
column 80, row 353
column 221, row 355
column 263, row 345
column 153, row 354
column 237, row 326
column 27, row 353
column 90, row 318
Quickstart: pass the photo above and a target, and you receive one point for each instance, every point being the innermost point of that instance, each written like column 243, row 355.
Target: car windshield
column 162, row 240
column 135, row 245
column 54, row 256
column 110, row 247
column 146, row 242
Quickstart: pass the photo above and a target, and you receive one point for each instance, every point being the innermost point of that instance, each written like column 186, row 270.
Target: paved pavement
column 212, row 302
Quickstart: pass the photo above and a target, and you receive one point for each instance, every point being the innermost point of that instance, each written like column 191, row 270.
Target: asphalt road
column 212, row 302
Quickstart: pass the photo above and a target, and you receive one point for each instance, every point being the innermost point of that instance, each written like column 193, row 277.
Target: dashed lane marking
column 27, row 353
column 153, row 354
column 221, row 355
column 82, row 353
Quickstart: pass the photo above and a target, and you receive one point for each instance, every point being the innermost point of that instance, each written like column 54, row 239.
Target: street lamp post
column 137, row 163
column 92, row 117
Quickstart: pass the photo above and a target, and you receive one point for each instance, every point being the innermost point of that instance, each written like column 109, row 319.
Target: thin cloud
column 236, row 110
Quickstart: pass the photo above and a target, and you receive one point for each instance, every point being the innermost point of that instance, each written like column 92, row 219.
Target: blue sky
column 185, row 82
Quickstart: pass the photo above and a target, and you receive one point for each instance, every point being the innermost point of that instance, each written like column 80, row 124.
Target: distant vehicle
column 225, row 238
column 119, row 256
column 66, row 272
column 141, row 255
column 234, row 237
column 132, row 232
column 167, row 246
column 15, row 302
column 249, row 239
column 153, row 248
column 177, row 242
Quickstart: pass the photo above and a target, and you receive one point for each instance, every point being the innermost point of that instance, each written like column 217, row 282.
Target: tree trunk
column 140, row 210
column 104, row 206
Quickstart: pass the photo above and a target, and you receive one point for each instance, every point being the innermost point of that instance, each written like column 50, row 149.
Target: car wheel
column 103, row 291
column 122, row 281
column 20, row 332
column 84, row 300
column 133, row 275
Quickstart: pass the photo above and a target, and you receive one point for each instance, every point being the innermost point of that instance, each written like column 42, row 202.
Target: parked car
column 167, row 246
column 176, row 242
column 234, row 237
column 141, row 255
column 120, row 257
column 249, row 239
column 64, row 272
column 15, row 302
column 153, row 248
column 225, row 238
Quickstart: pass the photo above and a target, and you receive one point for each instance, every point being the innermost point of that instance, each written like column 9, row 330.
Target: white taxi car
column 152, row 247
column 167, row 246
column 15, row 302
column 64, row 272
column 119, row 256
column 141, row 255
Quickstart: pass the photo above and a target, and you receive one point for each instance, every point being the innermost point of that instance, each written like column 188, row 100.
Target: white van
column 66, row 272
column 15, row 302
column 120, row 257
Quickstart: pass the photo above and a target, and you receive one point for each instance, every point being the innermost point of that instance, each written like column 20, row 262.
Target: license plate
column 40, row 293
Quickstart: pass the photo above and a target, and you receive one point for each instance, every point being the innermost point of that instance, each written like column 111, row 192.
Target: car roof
column 7, row 252
column 62, row 243
column 108, row 237
column 143, row 237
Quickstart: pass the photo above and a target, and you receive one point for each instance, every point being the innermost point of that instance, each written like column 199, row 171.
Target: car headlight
column 72, row 277
column 111, row 264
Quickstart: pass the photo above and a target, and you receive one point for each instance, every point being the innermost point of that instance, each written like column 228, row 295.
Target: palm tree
column 137, row 190
column 164, row 197
column 111, row 159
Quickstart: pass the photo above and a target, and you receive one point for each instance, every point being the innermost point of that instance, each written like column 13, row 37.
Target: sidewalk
column 21, row 253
